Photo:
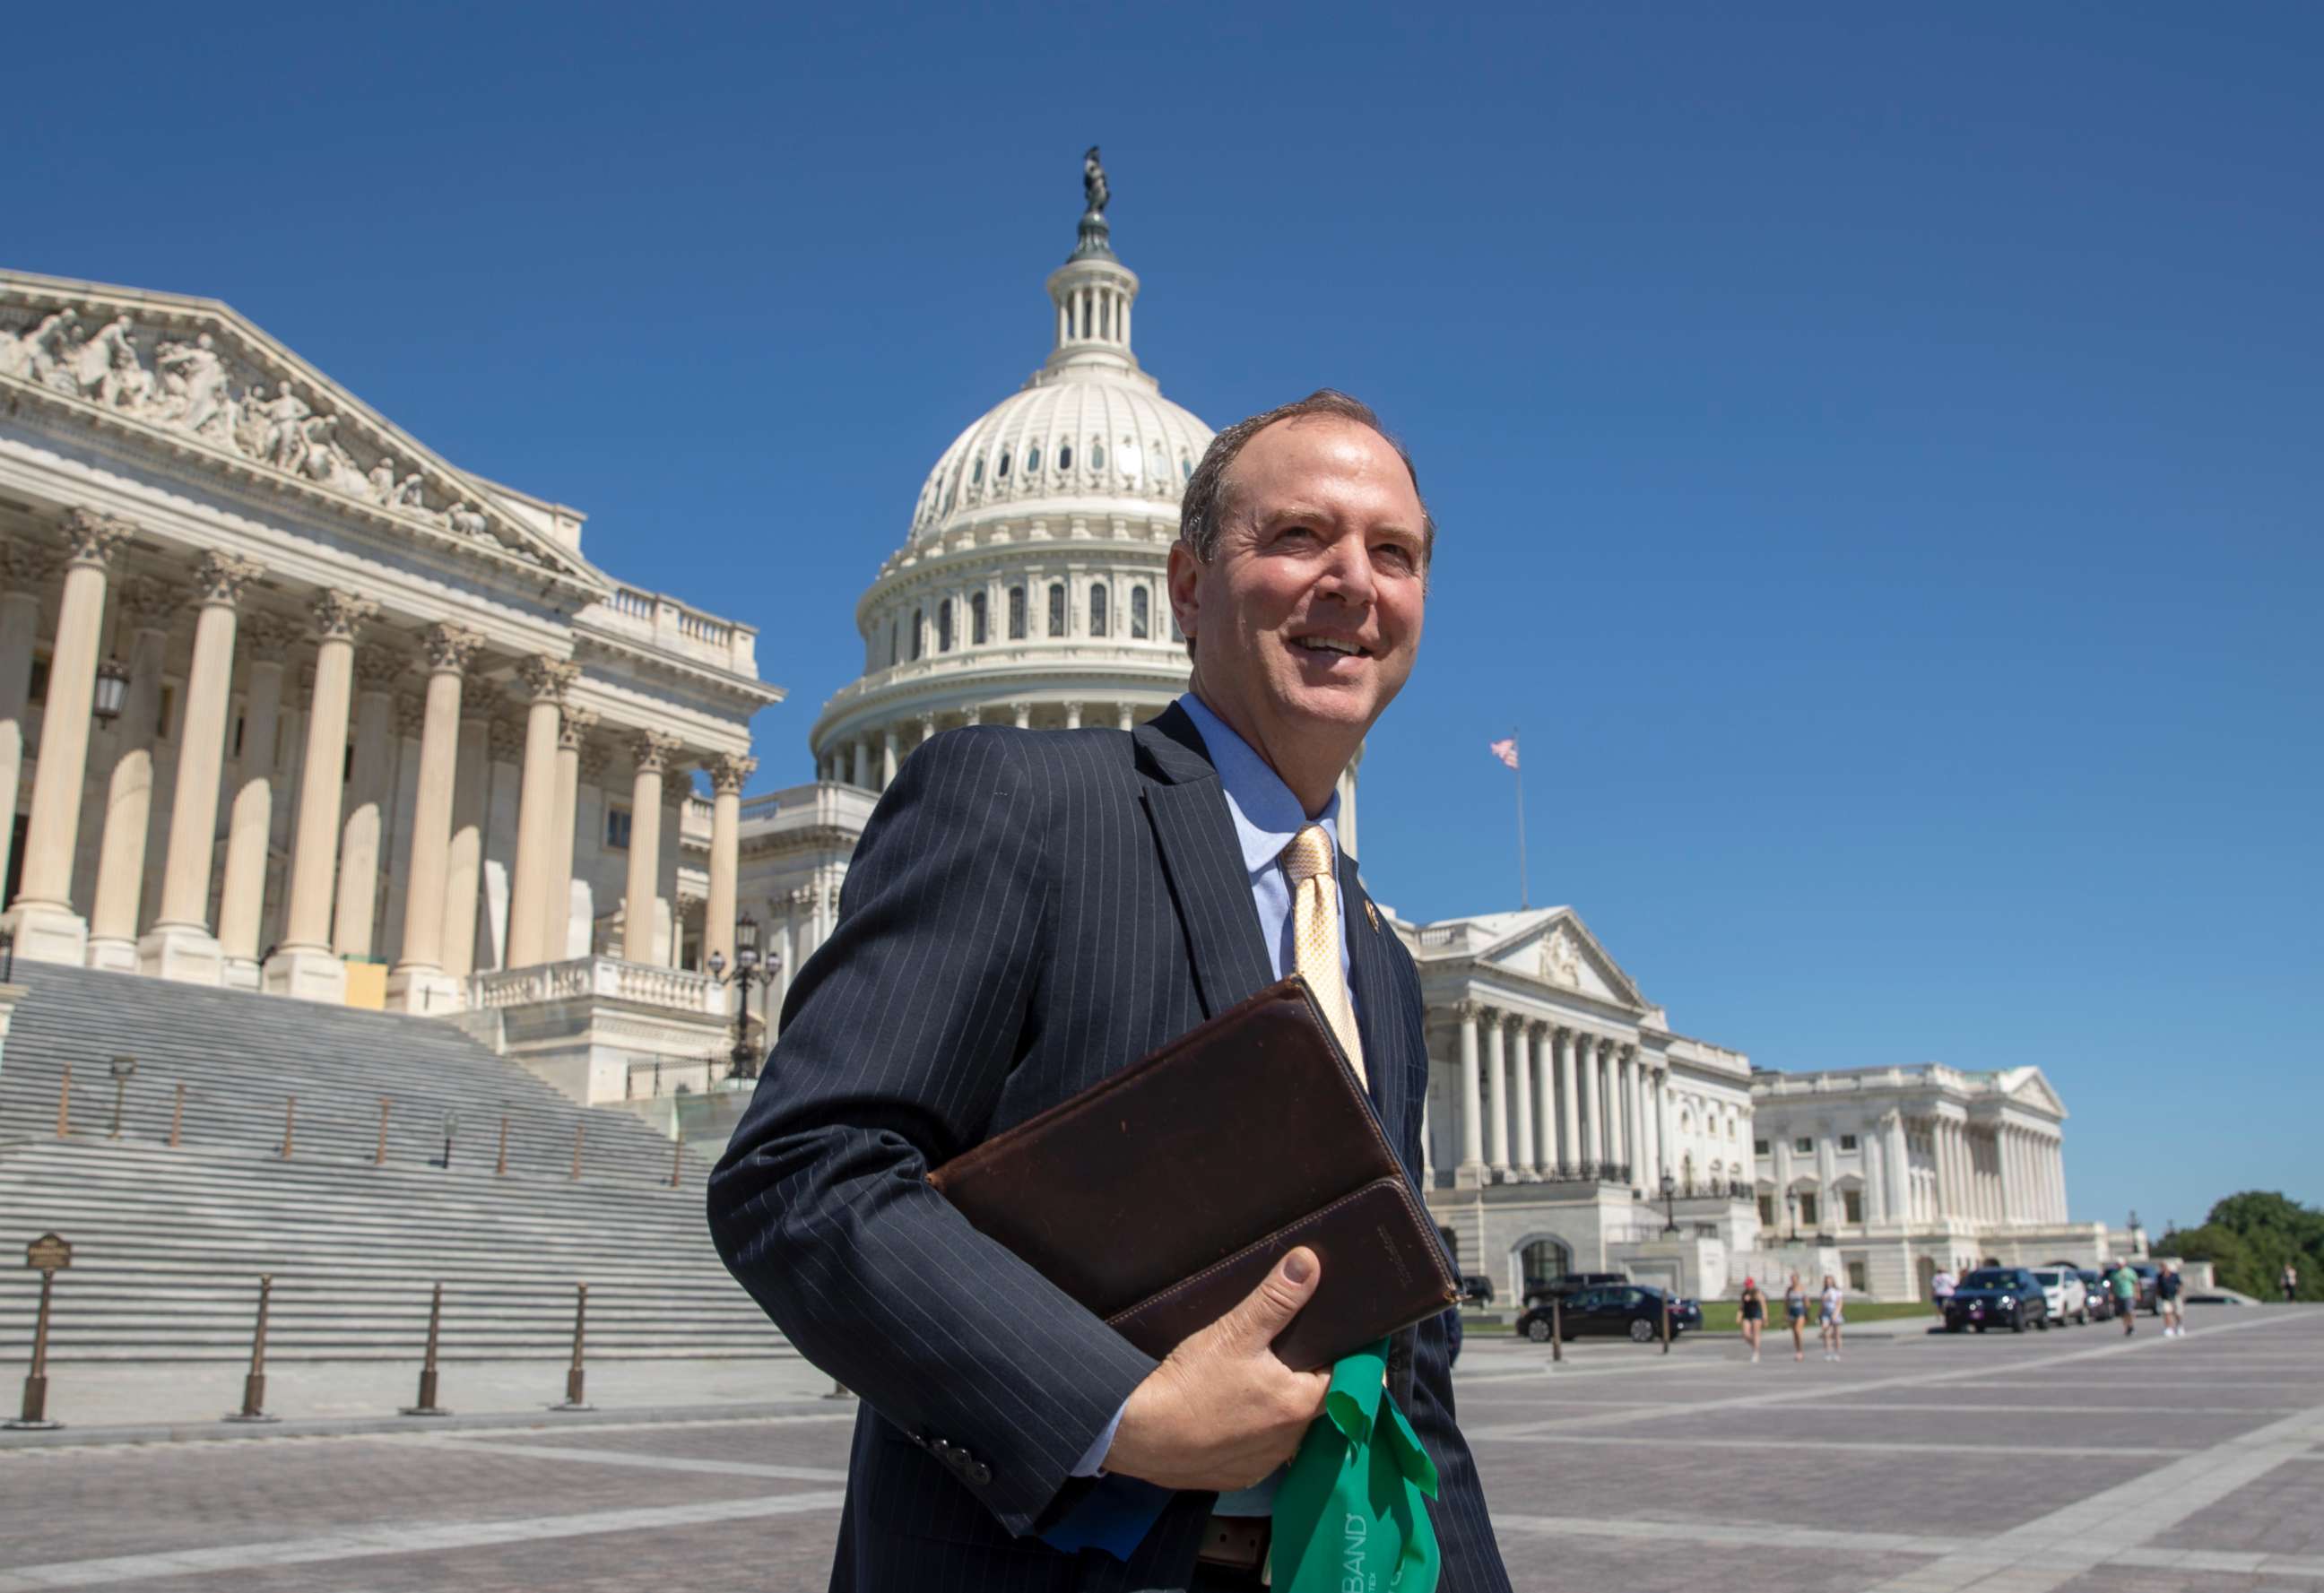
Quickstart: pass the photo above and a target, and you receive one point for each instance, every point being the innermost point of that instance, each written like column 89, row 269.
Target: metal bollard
column 676, row 1159
column 177, row 1116
column 428, row 1405
column 839, row 1391
column 378, row 1156
column 1666, row 1324
column 580, row 1133
column 1556, row 1328
column 253, row 1383
column 290, row 1124
column 64, row 1104
column 36, row 1409
column 500, row 1169
column 575, row 1399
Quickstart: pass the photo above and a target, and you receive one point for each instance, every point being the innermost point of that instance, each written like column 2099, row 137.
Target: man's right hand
column 1220, row 1412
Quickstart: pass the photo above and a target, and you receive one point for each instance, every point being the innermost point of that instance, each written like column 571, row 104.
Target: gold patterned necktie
column 1314, row 935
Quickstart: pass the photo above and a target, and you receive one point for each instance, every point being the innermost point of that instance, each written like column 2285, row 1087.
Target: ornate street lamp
column 112, row 691
column 1670, row 1193
column 747, row 972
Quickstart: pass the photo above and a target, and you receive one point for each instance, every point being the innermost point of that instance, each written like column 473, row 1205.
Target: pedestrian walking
column 1828, row 1319
column 1795, row 1307
column 2124, row 1284
column 1752, row 1312
column 2291, row 1282
column 2167, row 1287
column 1941, row 1285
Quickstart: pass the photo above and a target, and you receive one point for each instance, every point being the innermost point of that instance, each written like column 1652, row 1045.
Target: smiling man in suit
column 1029, row 911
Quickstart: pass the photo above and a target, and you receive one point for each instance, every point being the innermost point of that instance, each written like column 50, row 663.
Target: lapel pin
column 1372, row 914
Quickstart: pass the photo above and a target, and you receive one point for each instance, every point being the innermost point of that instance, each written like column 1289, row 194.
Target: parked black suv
column 1621, row 1310
column 1996, row 1297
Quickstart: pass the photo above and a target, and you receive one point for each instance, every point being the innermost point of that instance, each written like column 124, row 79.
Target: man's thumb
column 1267, row 1310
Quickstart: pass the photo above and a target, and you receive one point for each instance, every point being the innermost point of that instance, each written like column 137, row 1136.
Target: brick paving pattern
column 1920, row 1464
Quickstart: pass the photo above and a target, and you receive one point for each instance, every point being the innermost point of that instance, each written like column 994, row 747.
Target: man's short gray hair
column 1202, row 511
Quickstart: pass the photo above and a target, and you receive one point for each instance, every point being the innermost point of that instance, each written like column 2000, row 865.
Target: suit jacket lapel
column 1189, row 810
column 1380, row 1017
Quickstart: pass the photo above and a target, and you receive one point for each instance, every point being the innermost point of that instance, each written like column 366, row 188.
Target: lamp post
column 451, row 1127
column 747, row 972
column 124, row 1068
column 1791, row 1213
column 1670, row 1193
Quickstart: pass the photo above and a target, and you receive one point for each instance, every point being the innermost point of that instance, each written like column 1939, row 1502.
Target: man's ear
column 1185, row 578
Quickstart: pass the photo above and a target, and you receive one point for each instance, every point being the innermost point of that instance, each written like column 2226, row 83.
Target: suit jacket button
column 975, row 1471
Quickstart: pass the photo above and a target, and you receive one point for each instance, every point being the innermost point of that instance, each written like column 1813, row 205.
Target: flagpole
column 1518, row 744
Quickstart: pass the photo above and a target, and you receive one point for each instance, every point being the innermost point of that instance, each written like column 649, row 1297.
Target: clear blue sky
column 1879, row 459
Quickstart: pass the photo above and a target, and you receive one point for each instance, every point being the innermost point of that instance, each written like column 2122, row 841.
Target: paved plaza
column 2066, row 1460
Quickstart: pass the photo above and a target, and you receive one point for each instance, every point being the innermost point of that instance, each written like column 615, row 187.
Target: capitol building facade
column 288, row 701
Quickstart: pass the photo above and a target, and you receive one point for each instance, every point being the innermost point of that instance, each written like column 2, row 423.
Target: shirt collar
column 1266, row 813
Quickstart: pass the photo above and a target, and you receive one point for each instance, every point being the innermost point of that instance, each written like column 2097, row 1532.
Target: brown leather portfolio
column 1160, row 1197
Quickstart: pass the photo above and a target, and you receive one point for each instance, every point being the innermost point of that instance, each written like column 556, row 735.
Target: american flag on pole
column 1505, row 751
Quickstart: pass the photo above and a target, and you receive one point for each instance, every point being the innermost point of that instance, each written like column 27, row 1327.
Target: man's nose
column 1348, row 573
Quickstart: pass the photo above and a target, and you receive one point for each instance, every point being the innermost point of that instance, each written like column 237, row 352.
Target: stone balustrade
column 645, row 984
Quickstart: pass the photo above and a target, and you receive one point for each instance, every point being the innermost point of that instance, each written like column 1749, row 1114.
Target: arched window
column 1138, row 614
column 944, row 626
column 1186, row 468
column 1064, row 455
column 895, row 641
column 1033, row 458
column 1056, row 608
column 919, row 624
column 1097, row 454
column 976, row 472
column 1016, row 613
column 1097, row 609
column 1000, row 471
column 976, row 637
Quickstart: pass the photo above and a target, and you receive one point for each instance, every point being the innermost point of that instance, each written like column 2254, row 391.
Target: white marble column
column 1666, row 1165
column 147, row 609
column 1784, row 1196
column 1472, row 1171
column 1594, row 1130
column 27, row 568
column 250, row 821
column 47, row 928
column 545, row 681
column 728, row 775
column 1571, row 1154
column 2057, row 1178
column 418, row 982
column 378, row 671
column 1073, row 716
column 1497, row 1083
column 887, row 758
column 640, row 901
column 574, row 726
column 863, row 780
column 464, row 851
column 1521, row 1074
column 1544, row 1037
column 180, row 946
column 303, row 965
column 1898, row 1162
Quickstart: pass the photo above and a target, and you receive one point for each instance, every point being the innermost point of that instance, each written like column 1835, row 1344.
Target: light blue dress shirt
column 1267, row 815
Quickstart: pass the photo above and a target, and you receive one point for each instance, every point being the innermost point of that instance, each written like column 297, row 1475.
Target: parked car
column 1476, row 1287
column 1625, row 1310
column 2095, row 1292
column 2068, row 1297
column 1996, row 1297
column 1571, row 1282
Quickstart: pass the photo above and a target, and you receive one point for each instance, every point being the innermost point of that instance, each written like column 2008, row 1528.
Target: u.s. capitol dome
column 1030, row 589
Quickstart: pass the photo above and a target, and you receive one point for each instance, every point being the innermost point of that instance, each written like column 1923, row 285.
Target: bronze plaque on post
column 48, row 1254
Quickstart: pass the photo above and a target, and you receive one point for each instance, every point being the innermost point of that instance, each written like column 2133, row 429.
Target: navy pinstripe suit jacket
column 1027, row 912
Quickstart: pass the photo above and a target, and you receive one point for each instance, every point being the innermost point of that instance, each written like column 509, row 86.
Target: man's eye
column 1293, row 534
column 1395, row 554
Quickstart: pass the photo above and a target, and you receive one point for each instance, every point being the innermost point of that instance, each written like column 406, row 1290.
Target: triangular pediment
column 1555, row 947
column 2027, row 1086
column 194, row 377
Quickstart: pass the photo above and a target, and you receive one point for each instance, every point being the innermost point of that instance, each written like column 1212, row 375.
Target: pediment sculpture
column 1561, row 962
column 223, row 397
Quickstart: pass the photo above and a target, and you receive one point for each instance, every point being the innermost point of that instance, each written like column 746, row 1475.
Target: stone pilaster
column 464, row 872
column 652, row 750
column 180, row 946
column 728, row 775
column 303, row 965
column 573, row 732
column 378, row 672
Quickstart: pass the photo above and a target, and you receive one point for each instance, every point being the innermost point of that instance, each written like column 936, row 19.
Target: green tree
column 2249, row 1237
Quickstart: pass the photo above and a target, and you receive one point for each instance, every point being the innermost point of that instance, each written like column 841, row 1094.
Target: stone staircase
column 169, row 1242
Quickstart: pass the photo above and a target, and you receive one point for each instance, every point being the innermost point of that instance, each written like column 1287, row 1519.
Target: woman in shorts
column 1752, row 1312
column 1795, row 1307
column 1828, row 1320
